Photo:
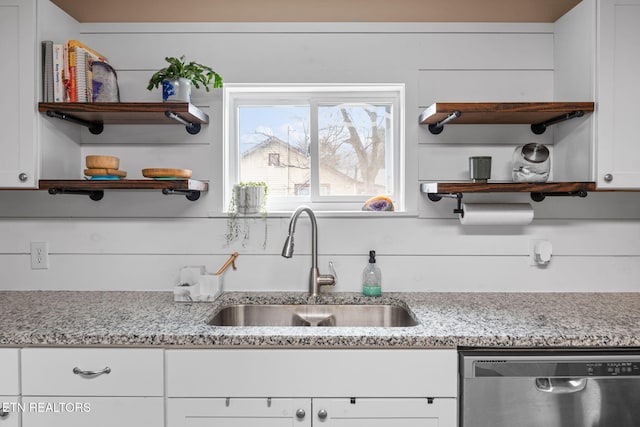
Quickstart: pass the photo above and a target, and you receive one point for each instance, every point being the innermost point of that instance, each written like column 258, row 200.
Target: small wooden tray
column 105, row 172
column 166, row 173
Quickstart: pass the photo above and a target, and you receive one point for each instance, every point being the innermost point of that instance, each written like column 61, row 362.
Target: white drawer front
column 9, row 371
column 82, row 411
column 311, row 373
column 131, row 372
column 9, row 411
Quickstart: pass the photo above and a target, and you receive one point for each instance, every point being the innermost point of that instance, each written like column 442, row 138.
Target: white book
column 58, row 66
column 81, row 75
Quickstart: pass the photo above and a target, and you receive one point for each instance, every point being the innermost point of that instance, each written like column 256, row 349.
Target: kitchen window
column 331, row 147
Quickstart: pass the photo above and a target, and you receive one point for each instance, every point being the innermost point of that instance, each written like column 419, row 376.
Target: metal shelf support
column 192, row 128
column 95, row 128
column 539, row 128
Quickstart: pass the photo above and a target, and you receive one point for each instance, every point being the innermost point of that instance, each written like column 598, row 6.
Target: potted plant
column 247, row 198
column 177, row 78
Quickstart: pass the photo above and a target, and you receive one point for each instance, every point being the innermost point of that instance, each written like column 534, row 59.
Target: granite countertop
column 446, row 320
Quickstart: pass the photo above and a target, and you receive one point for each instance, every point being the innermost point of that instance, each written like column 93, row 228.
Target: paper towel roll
column 496, row 214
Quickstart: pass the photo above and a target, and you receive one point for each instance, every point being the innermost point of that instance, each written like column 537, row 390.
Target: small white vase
column 176, row 90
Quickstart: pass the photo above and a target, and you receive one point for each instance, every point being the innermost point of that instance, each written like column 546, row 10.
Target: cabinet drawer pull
column 91, row 374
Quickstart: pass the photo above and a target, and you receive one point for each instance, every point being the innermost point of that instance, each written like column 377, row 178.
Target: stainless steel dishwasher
column 549, row 388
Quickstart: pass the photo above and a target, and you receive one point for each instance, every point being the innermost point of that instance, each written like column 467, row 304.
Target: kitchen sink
column 331, row 315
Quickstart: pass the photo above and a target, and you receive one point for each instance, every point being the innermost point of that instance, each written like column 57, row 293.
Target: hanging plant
column 247, row 198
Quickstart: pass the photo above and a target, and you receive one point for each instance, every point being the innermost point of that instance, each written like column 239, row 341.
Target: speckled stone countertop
column 446, row 320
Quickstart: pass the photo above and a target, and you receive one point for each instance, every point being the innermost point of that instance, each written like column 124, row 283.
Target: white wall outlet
column 39, row 255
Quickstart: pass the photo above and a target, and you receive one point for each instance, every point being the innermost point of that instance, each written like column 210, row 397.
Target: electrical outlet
column 39, row 255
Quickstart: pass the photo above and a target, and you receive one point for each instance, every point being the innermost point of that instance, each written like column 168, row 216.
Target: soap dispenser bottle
column 372, row 278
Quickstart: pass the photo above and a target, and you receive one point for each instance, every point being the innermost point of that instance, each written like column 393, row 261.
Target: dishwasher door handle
column 561, row 385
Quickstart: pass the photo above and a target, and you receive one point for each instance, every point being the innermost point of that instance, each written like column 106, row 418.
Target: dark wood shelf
column 95, row 188
column 501, row 112
column 506, row 187
column 95, row 115
column 127, row 112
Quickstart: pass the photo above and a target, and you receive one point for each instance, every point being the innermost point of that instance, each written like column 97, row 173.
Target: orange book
column 73, row 97
column 96, row 56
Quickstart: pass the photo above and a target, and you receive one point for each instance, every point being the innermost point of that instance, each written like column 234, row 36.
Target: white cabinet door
column 10, row 371
column 357, row 412
column 618, row 64
column 95, row 387
column 82, row 411
column 238, row 412
column 9, row 411
column 17, row 94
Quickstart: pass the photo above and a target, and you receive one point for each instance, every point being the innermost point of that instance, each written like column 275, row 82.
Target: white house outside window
column 328, row 146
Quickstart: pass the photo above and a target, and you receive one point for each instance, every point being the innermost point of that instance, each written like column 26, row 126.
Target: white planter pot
column 248, row 200
column 176, row 90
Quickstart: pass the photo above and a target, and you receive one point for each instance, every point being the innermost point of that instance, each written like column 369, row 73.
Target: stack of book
column 66, row 71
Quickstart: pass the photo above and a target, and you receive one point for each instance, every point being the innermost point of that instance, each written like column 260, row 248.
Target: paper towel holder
column 435, row 197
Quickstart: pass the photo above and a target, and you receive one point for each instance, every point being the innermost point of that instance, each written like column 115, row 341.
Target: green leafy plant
column 197, row 73
column 241, row 230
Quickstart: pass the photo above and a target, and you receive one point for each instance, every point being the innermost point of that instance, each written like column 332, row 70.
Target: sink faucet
column 315, row 278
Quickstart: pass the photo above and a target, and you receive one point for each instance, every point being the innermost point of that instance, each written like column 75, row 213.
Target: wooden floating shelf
column 506, row 187
column 501, row 112
column 94, row 115
column 127, row 112
column 95, row 188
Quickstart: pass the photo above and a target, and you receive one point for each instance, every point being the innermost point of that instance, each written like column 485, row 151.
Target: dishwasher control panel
column 612, row 369
column 554, row 368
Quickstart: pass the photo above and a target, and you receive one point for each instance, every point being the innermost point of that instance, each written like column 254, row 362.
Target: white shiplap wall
column 139, row 240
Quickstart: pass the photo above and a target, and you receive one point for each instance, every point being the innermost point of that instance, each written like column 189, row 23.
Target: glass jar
column 531, row 163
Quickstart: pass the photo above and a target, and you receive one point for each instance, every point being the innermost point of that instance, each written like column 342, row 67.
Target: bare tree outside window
column 331, row 146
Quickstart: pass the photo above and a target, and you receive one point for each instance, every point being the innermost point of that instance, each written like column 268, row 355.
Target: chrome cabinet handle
column 91, row 374
column 300, row 414
column 560, row 385
column 322, row 414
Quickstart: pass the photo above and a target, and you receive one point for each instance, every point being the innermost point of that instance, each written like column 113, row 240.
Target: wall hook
column 435, row 197
column 438, row 127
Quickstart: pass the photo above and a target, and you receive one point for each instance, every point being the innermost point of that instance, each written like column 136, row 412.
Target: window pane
column 354, row 140
column 274, row 147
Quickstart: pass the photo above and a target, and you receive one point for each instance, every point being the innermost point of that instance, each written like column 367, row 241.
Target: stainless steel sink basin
column 382, row 315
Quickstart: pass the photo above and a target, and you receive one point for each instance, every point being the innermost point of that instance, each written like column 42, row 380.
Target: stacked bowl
column 103, row 167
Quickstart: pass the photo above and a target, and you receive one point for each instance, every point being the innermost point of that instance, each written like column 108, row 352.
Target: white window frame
column 236, row 95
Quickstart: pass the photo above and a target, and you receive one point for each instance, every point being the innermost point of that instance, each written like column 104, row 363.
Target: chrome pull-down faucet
column 315, row 278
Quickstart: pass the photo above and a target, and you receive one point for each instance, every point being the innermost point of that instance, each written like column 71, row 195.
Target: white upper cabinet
column 17, row 77
column 618, row 93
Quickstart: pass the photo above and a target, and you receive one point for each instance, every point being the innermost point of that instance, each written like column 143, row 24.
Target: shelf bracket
column 95, row 128
column 539, row 128
column 94, row 195
column 435, row 197
column 540, row 196
column 191, row 195
column 438, row 127
column 192, row 128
